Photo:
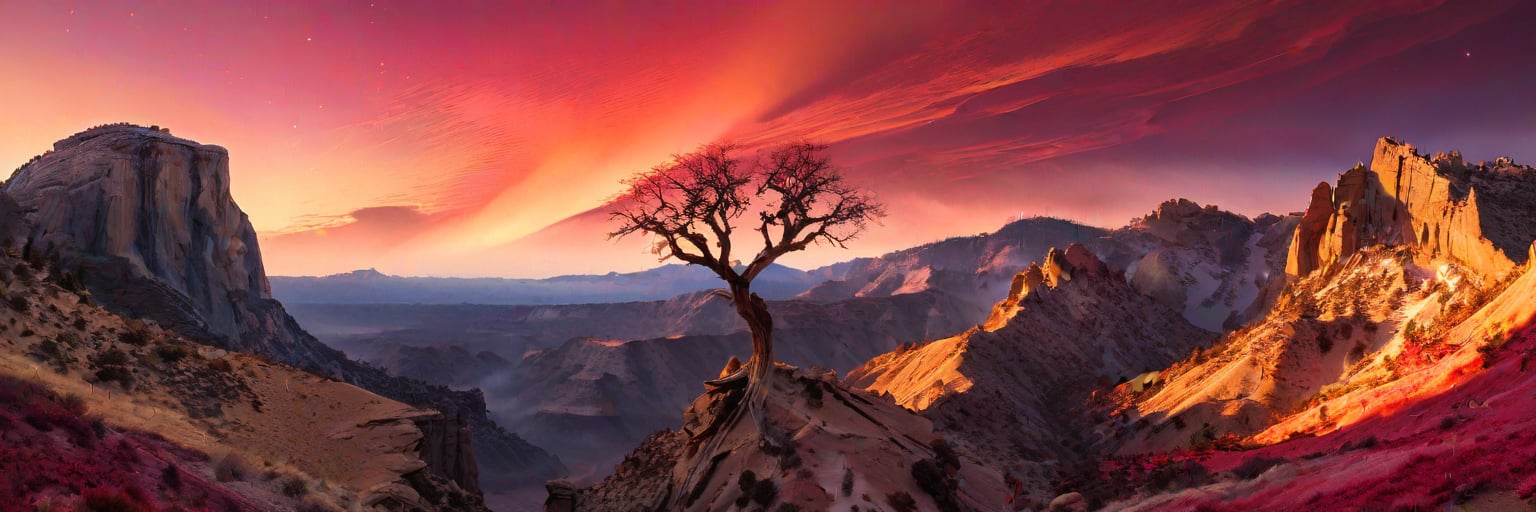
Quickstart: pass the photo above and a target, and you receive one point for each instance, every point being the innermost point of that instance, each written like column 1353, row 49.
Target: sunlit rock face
column 1071, row 324
column 1476, row 214
column 155, row 202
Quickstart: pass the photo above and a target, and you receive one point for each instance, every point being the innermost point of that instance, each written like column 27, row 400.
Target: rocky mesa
column 146, row 222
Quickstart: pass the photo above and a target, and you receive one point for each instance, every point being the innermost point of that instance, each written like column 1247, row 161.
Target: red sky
column 468, row 138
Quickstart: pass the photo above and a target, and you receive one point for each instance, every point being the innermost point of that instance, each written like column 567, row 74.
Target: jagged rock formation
column 1392, row 368
column 1479, row 215
column 974, row 268
column 1359, row 261
column 836, row 448
column 1436, row 416
column 1220, row 268
column 1009, row 389
column 146, row 221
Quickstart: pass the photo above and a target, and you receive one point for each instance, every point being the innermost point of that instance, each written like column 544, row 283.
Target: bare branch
column 695, row 202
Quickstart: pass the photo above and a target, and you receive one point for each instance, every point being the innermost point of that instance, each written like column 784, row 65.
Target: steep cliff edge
column 1480, row 215
column 147, row 223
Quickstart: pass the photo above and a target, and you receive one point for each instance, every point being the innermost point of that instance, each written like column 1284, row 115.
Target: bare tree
column 693, row 205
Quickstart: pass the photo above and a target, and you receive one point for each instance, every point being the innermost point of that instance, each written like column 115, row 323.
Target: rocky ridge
column 1221, row 269
column 833, row 448
column 1479, row 215
column 1389, row 256
column 1005, row 389
column 976, row 269
column 1400, row 338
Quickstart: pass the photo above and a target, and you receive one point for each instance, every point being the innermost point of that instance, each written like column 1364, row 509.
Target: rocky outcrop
column 1011, row 389
column 1216, row 266
column 1480, row 215
column 823, row 447
column 147, row 222
column 447, row 447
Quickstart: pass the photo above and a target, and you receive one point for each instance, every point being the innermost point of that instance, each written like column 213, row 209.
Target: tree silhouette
column 693, row 206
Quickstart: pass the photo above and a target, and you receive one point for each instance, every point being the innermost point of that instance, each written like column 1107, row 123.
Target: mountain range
column 1369, row 351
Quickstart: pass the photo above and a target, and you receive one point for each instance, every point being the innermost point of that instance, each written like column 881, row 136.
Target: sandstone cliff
column 142, row 205
column 147, row 223
column 1479, row 215
column 1397, row 349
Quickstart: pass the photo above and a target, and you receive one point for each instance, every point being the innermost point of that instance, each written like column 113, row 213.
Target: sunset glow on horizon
column 482, row 139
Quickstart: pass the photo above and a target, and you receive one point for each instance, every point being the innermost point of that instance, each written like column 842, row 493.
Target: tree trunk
column 760, row 368
column 758, row 371
column 754, row 311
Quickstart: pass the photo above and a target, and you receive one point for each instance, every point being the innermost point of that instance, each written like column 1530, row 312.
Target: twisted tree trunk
column 757, row 371
column 754, row 311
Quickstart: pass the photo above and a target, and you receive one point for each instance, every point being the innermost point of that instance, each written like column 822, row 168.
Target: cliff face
column 1475, row 214
column 147, row 222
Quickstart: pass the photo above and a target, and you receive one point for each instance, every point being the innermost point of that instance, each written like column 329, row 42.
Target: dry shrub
column 294, row 487
column 231, row 467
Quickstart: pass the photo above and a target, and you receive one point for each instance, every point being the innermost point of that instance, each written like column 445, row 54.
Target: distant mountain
column 1220, row 269
column 372, row 287
column 974, row 268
